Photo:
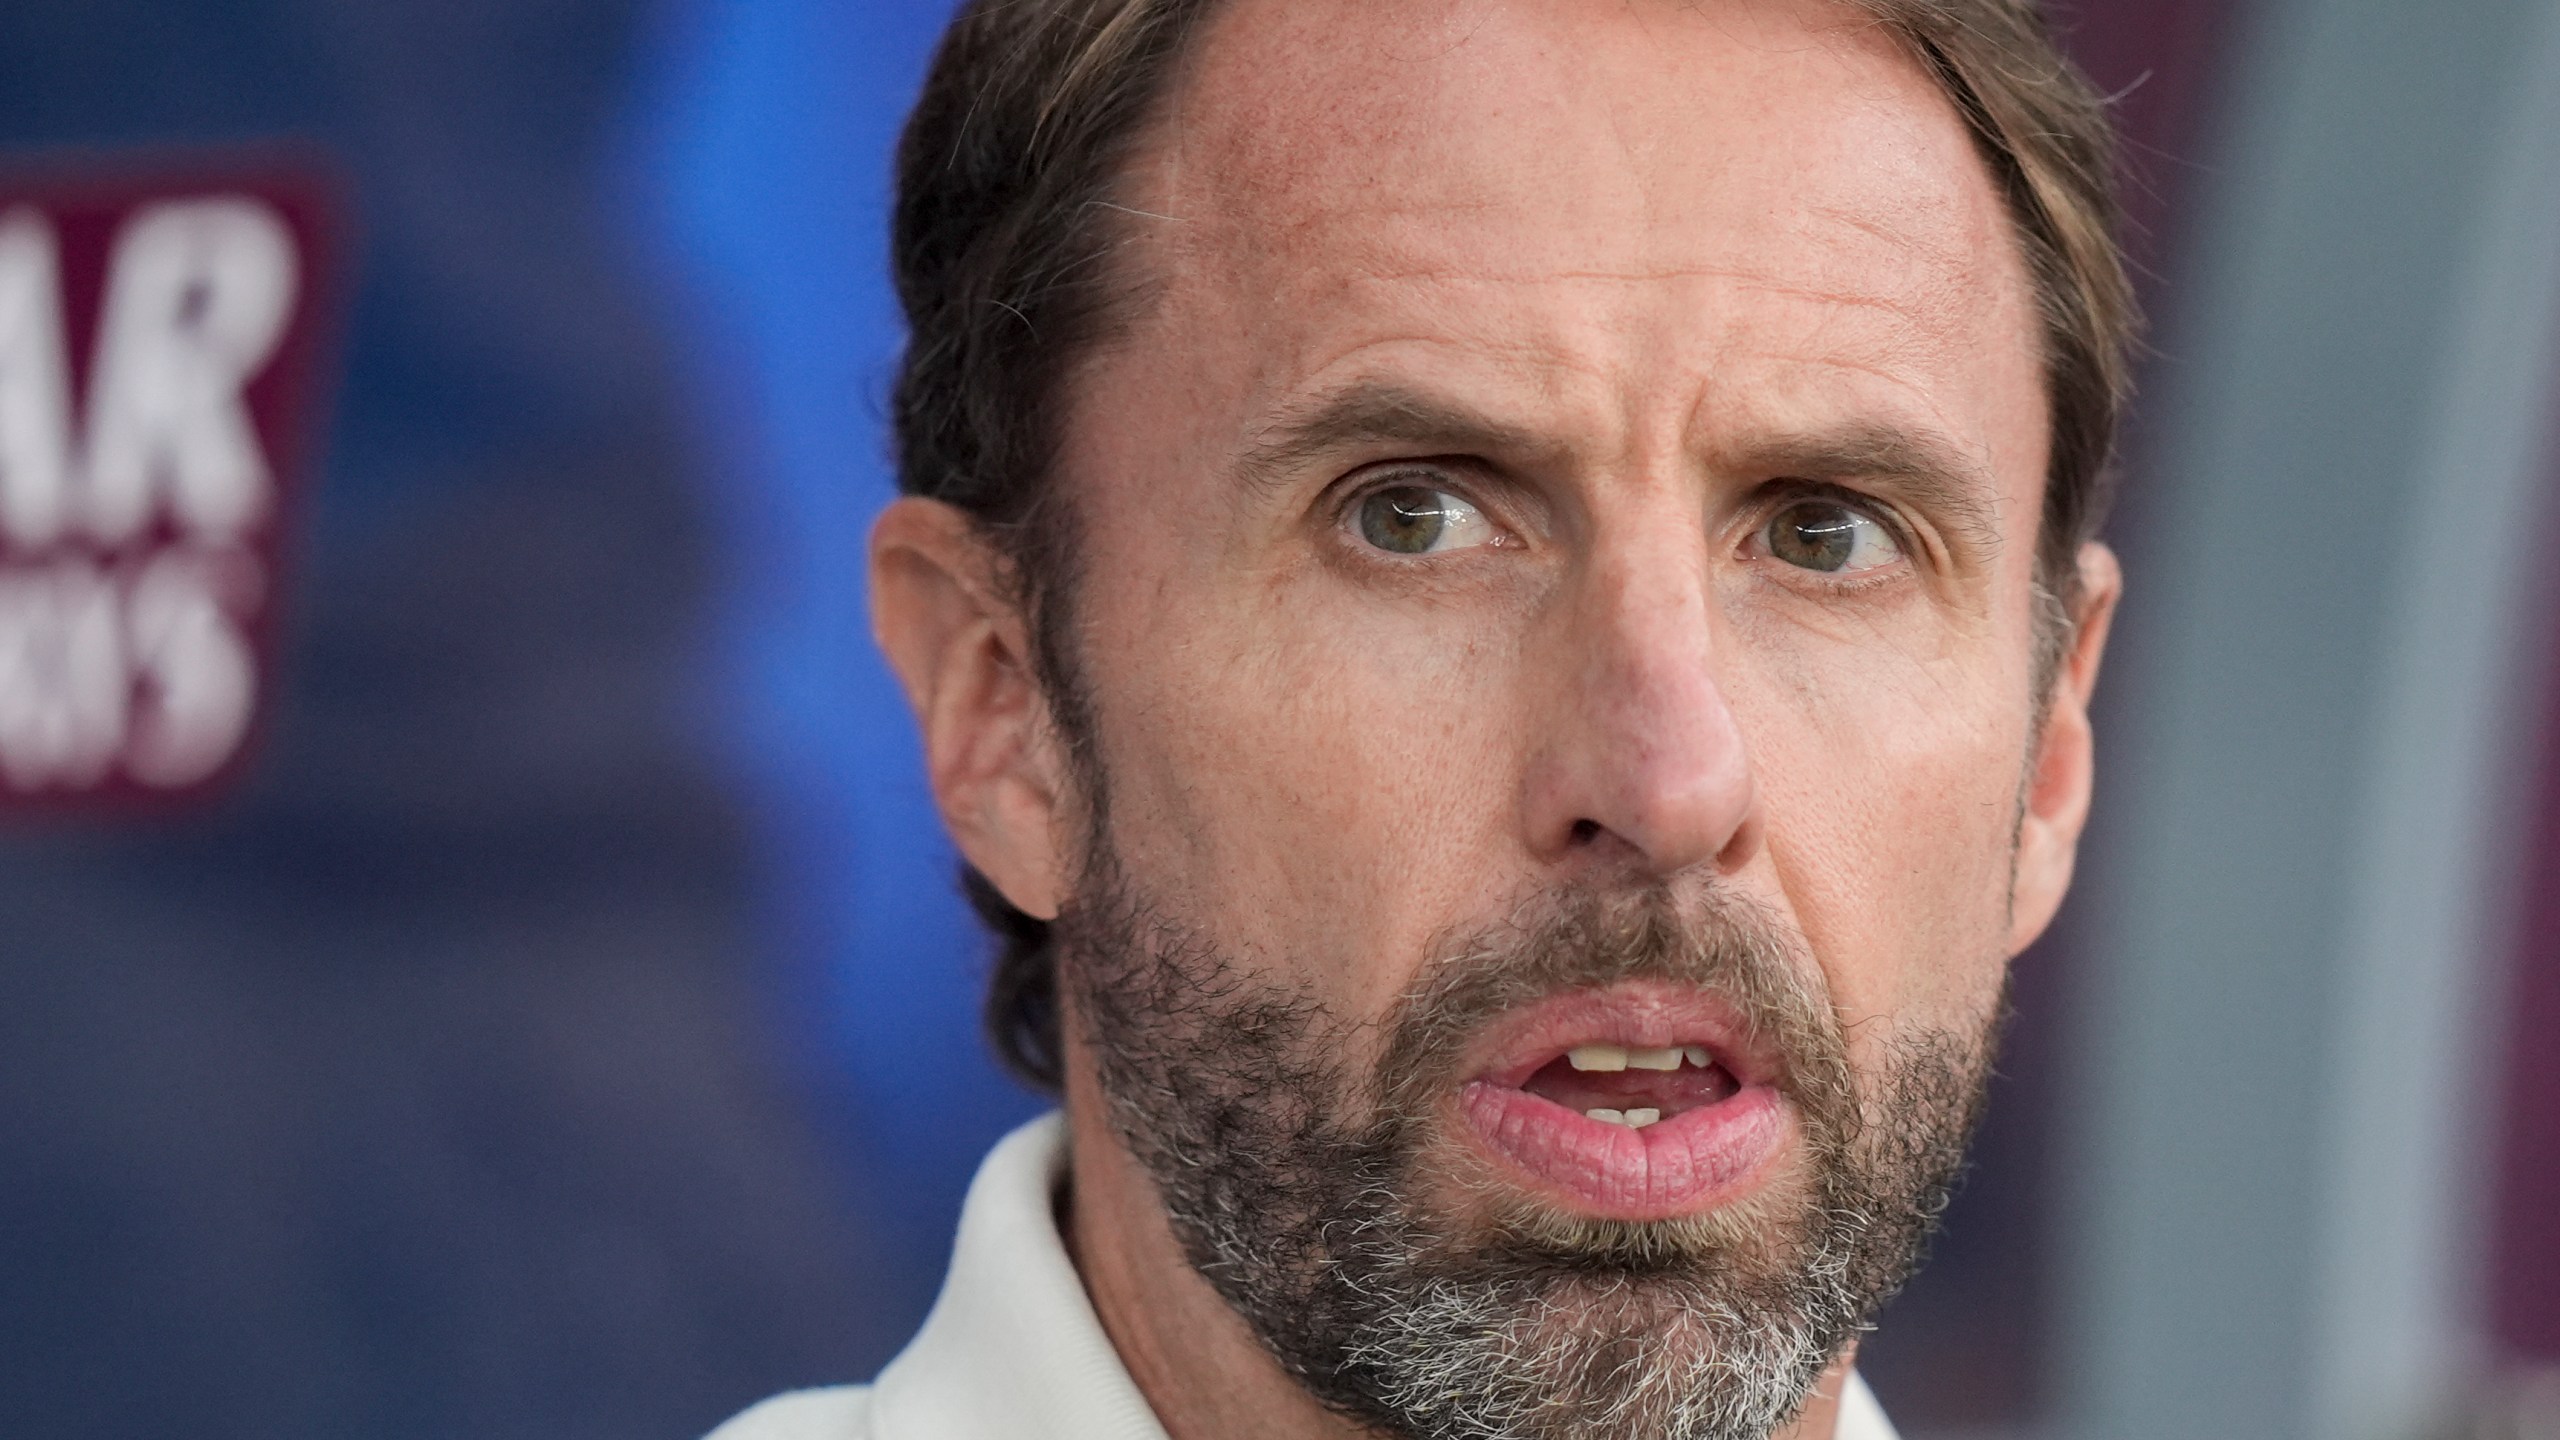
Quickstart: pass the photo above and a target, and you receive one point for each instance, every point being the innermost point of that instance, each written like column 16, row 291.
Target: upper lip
column 1636, row 1014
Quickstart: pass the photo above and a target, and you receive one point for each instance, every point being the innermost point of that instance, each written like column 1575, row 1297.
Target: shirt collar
column 1012, row 1347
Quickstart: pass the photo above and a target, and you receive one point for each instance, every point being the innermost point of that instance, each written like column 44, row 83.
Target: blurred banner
column 159, row 341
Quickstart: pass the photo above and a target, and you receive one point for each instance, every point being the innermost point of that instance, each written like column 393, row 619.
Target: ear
column 939, row 608
column 2057, row 799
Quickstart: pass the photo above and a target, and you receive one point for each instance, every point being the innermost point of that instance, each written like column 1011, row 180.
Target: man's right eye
column 1418, row 520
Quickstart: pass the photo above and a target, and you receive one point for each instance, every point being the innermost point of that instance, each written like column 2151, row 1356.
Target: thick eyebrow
column 1373, row 413
column 1932, row 474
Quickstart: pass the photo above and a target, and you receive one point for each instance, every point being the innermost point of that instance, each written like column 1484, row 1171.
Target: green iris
column 1817, row 535
column 1405, row 519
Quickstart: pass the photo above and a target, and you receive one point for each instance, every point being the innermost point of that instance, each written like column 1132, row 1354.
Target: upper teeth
column 1619, row 1057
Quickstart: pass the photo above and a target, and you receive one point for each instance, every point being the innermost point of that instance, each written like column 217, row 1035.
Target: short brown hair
column 1003, row 246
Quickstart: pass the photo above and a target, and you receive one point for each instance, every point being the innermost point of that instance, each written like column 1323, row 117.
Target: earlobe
column 2059, row 783
column 941, row 613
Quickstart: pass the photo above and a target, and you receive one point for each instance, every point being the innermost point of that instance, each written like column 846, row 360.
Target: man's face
column 1554, row 630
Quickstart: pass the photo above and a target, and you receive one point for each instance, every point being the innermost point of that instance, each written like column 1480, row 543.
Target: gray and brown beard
column 1316, row 1199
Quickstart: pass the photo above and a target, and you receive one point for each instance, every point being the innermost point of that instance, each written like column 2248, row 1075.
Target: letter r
column 197, row 297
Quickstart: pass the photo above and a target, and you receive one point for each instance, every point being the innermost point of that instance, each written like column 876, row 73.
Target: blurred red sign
column 158, row 343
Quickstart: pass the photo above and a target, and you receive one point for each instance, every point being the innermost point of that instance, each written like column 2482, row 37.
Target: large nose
column 1639, row 762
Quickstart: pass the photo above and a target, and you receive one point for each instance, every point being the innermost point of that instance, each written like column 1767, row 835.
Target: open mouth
column 1633, row 1087
column 1636, row 1103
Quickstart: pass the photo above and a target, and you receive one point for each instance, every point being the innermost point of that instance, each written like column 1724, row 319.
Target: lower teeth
column 1632, row 1119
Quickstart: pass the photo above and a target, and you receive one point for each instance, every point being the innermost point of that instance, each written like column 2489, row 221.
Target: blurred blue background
column 569, row 1027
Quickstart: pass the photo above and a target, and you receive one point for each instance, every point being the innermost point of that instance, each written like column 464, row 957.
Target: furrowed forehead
column 1535, row 184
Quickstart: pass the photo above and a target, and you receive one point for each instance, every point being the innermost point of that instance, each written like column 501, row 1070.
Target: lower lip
column 1689, row 1162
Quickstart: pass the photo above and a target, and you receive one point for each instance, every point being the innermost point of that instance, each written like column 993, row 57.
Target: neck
column 1204, row 1373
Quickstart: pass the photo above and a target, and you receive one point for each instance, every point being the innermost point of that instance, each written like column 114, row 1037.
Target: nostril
column 1585, row 831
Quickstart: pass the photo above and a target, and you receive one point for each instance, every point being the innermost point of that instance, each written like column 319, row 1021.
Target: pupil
column 1406, row 520
column 1817, row 537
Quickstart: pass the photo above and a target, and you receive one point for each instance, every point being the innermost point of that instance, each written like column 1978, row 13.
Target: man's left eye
column 1418, row 520
column 1830, row 537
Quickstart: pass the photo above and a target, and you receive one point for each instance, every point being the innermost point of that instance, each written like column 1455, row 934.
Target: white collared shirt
column 1013, row 1349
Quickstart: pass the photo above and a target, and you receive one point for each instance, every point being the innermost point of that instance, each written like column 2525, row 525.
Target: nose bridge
column 1644, row 603
column 1644, row 748
column 1649, row 686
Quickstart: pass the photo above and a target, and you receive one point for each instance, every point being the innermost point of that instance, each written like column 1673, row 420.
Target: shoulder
column 840, row 1412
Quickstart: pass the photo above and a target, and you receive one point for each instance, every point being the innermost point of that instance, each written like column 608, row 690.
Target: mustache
column 1561, row 941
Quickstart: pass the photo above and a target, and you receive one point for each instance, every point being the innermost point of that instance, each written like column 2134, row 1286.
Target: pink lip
column 1684, row 1164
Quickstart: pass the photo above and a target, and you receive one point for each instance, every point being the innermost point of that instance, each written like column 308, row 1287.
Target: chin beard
column 1315, row 1199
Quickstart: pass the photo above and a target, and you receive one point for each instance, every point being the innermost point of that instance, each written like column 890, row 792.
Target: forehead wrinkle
column 1750, row 277
column 1588, row 339
column 1955, row 260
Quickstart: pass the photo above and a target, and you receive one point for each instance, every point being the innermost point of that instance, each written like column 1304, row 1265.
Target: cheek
column 1891, row 809
column 1317, row 784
